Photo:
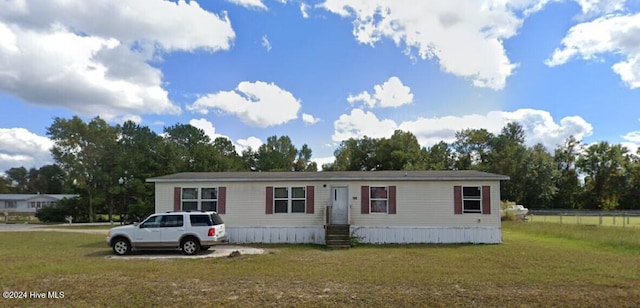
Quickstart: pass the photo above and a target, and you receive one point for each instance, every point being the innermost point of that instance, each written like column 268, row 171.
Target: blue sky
column 321, row 71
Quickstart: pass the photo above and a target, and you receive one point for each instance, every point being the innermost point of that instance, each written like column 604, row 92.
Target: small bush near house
column 64, row 207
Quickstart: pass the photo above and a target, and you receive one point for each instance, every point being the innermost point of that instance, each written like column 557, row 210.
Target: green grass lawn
column 537, row 265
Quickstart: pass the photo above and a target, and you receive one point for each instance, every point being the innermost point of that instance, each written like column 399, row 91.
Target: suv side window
column 152, row 222
column 200, row 220
column 169, row 221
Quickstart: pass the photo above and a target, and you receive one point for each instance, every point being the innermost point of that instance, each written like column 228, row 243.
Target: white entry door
column 340, row 203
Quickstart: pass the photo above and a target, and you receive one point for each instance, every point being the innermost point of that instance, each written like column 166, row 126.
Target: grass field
column 611, row 221
column 537, row 265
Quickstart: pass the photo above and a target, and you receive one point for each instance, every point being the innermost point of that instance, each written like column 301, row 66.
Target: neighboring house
column 373, row 206
column 28, row 203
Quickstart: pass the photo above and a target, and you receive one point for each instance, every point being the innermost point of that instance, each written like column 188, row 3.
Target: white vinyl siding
column 420, row 205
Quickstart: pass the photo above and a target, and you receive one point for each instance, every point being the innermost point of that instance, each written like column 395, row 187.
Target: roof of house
column 21, row 197
column 431, row 175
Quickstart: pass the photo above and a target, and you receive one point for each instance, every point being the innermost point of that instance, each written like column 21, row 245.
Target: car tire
column 121, row 246
column 190, row 246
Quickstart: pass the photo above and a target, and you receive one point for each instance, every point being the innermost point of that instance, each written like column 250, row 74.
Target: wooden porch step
column 337, row 236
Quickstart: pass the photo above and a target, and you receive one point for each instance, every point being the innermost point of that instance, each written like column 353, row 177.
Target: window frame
column 471, row 199
column 373, row 198
column 199, row 198
column 290, row 199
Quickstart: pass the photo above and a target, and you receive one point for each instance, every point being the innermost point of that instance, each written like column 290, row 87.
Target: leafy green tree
column 630, row 199
column 604, row 168
column 507, row 156
column 229, row 158
column 184, row 142
column 47, row 179
column 84, row 152
column 567, row 181
column 399, row 152
column 472, row 147
column 277, row 154
column 540, row 188
column 303, row 161
column 19, row 179
column 140, row 155
column 355, row 155
column 5, row 184
column 440, row 157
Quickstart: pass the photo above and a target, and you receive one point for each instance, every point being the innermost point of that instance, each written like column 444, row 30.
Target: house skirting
column 293, row 235
column 444, row 235
column 367, row 234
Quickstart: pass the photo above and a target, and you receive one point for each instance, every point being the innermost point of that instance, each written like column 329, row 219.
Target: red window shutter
column 269, row 200
column 177, row 198
column 457, row 199
column 392, row 199
column 364, row 200
column 222, row 200
column 486, row 200
column 310, row 199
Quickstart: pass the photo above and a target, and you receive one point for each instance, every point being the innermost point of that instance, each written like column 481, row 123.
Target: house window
column 379, row 199
column 11, row 204
column 471, row 199
column 40, row 204
column 204, row 198
column 289, row 199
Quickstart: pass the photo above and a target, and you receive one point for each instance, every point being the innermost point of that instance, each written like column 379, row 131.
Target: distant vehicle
column 190, row 231
column 518, row 211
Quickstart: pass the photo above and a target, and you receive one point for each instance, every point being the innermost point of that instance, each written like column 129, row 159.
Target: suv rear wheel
column 190, row 246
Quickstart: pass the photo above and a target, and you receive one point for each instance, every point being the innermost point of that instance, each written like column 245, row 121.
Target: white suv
column 190, row 231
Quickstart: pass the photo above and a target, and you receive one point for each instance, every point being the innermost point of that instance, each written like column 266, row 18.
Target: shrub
column 64, row 207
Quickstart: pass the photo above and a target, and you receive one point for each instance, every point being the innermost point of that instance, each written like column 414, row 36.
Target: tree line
column 107, row 165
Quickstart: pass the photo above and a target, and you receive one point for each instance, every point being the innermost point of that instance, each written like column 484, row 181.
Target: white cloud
column 256, row 4
column 265, row 43
column 609, row 34
column 94, row 57
column 632, row 141
column 252, row 142
column 309, row 119
column 361, row 123
column 22, row 148
column 304, row 10
column 207, row 127
column 257, row 103
column 392, row 93
column 465, row 36
column 323, row 160
column 600, row 7
column 539, row 126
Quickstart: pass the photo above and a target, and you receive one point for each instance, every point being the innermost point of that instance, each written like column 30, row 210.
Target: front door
column 148, row 232
column 340, row 203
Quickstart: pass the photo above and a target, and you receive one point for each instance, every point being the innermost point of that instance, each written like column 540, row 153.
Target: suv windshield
column 217, row 220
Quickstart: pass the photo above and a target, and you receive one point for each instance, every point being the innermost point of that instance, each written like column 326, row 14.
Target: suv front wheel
column 121, row 246
column 190, row 246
